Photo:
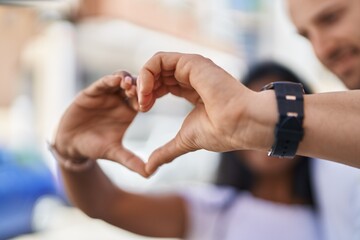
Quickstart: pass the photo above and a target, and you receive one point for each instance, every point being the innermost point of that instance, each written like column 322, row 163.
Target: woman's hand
column 94, row 125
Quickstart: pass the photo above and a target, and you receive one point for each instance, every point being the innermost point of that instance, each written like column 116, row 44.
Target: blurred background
column 50, row 50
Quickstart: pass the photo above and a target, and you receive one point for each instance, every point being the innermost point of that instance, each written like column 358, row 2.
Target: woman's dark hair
column 232, row 171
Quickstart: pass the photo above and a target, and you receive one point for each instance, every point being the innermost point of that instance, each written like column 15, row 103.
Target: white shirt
column 337, row 193
column 222, row 213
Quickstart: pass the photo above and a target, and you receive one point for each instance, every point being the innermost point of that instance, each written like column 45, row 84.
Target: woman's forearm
column 90, row 190
column 94, row 193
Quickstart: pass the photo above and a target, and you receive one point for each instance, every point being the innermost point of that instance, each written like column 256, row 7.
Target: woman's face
column 259, row 162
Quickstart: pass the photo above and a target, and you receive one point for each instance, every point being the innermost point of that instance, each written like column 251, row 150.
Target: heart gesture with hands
column 94, row 125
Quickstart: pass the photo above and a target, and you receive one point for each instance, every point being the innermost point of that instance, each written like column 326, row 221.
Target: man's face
column 333, row 28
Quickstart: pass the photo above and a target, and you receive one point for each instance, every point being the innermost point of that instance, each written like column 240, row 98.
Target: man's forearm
column 332, row 127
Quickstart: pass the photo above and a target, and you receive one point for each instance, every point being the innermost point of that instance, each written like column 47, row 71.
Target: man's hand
column 220, row 120
column 94, row 124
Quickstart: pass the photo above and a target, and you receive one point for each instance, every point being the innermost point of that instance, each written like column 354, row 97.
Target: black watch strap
column 289, row 130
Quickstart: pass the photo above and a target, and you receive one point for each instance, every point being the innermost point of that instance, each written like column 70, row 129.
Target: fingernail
column 128, row 80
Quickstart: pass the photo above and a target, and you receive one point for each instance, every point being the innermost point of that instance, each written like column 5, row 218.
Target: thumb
column 166, row 154
column 128, row 159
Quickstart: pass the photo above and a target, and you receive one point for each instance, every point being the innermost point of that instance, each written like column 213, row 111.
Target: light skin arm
column 92, row 128
column 228, row 116
column 332, row 129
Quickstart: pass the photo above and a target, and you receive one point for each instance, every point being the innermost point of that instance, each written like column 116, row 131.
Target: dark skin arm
column 93, row 128
column 148, row 215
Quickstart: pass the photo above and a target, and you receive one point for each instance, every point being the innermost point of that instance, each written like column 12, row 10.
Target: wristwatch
column 289, row 128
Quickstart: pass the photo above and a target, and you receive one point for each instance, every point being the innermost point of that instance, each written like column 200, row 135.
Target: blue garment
column 20, row 187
